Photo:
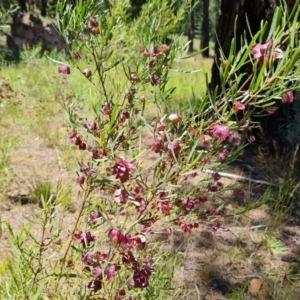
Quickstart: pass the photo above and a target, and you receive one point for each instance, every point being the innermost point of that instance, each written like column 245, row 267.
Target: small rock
column 258, row 216
column 295, row 248
column 289, row 258
column 28, row 30
column 258, row 288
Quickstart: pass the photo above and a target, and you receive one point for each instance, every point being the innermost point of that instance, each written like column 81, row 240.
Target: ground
column 251, row 256
column 214, row 263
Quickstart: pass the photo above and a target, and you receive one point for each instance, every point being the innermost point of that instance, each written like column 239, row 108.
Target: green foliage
column 270, row 78
column 274, row 246
column 6, row 172
column 119, row 117
column 7, row 143
column 160, row 286
column 120, row 90
column 240, row 293
column 33, row 252
column 283, row 198
column 41, row 191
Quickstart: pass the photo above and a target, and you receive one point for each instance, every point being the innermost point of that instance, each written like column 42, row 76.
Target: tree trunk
column 23, row 6
column 44, row 8
column 191, row 33
column 205, row 29
column 256, row 11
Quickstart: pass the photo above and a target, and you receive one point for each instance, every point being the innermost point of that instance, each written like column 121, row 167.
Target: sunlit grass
column 189, row 78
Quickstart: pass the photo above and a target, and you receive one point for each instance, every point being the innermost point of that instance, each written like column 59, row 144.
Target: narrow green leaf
column 194, row 53
column 275, row 21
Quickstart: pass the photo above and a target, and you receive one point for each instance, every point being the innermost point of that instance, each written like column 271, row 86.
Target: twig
column 244, row 276
column 243, row 85
column 206, row 293
column 63, row 260
column 243, row 228
column 241, row 178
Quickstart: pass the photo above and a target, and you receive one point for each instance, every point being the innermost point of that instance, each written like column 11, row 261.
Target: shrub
column 108, row 253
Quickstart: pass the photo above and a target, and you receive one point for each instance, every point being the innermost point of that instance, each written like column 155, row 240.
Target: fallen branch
column 242, row 178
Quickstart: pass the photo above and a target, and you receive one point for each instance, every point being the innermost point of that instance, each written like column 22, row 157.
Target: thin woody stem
column 86, row 194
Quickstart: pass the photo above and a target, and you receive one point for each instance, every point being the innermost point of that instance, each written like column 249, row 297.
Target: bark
column 205, row 29
column 44, row 8
column 191, row 33
column 23, row 6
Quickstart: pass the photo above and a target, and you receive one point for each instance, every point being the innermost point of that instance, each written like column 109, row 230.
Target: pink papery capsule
column 288, row 97
column 87, row 73
column 175, row 118
column 64, row 69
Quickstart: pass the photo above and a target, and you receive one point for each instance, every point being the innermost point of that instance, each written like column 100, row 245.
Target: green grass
column 189, row 78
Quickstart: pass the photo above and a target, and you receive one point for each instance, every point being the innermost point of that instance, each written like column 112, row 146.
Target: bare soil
column 214, row 264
